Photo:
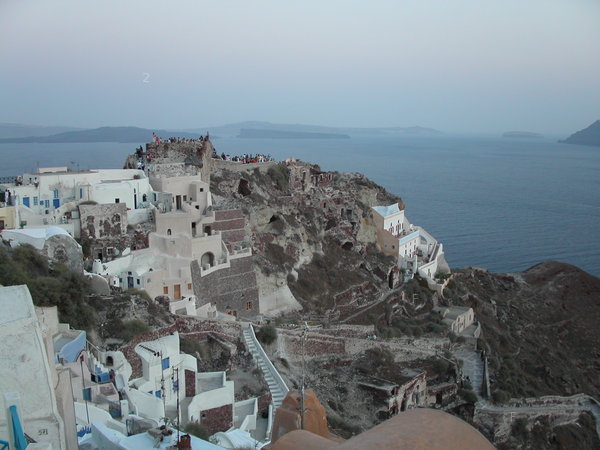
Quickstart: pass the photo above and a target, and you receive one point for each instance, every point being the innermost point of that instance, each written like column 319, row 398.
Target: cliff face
column 312, row 234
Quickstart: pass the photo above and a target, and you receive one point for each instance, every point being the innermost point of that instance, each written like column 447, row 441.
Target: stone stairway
column 472, row 368
column 277, row 386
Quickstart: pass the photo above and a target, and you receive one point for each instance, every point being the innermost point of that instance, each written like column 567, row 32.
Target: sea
column 496, row 203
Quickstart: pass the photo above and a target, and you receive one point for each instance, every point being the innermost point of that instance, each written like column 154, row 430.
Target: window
column 47, row 203
column 138, row 281
column 55, row 193
column 117, row 200
column 189, row 286
column 80, row 193
column 248, row 305
column 35, row 201
column 157, row 394
column 166, row 290
column 165, row 363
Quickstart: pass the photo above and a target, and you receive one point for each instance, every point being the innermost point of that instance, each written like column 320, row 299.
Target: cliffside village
column 154, row 226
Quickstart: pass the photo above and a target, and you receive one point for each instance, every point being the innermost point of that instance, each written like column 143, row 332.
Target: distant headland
column 277, row 134
column 522, row 135
column 587, row 136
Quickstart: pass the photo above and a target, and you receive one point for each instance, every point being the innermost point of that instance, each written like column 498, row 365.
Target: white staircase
column 276, row 384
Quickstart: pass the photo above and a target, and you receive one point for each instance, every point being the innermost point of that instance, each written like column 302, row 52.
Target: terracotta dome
column 419, row 428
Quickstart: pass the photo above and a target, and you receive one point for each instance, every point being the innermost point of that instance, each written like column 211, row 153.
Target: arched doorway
column 208, row 259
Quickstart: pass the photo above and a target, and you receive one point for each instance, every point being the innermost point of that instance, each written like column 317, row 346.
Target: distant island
column 18, row 133
column 587, row 136
column 103, row 134
column 277, row 134
column 522, row 135
column 235, row 129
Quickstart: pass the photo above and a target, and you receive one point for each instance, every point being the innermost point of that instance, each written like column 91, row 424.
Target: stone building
column 409, row 391
column 105, row 227
column 457, row 318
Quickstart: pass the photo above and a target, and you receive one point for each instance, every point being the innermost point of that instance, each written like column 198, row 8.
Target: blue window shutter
column 165, row 363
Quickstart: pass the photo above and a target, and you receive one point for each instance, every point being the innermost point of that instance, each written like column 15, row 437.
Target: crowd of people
column 179, row 140
column 245, row 158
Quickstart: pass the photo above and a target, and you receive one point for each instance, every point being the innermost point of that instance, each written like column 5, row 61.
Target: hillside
column 587, row 136
column 540, row 327
column 18, row 130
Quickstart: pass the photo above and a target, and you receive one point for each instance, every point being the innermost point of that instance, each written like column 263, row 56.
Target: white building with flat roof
column 50, row 196
column 32, row 379
column 417, row 250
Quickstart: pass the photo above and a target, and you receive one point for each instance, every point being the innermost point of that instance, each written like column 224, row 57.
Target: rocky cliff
column 312, row 234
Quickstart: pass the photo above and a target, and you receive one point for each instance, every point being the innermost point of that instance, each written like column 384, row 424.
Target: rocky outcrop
column 312, row 234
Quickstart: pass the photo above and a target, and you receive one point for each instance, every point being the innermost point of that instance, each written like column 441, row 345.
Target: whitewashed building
column 417, row 250
column 33, row 380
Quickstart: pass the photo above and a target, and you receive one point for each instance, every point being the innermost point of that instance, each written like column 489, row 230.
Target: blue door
column 26, row 201
column 56, row 202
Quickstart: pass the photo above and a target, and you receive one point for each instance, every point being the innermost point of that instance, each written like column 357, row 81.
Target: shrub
column 197, row 430
column 267, row 334
column 280, row 176
column 467, row 395
column 346, row 429
column 519, row 428
column 191, row 347
column 500, row 396
column 126, row 330
column 441, row 366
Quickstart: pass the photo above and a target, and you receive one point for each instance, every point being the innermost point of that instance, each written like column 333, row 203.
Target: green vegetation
column 197, row 429
column 500, row 396
column 267, row 334
column 345, row 429
column 193, row 347
column 50, row 284
column 126, row 329
column 280, row 175
column 467, row 395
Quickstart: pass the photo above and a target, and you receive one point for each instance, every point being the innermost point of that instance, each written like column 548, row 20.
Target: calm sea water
column 496, row 203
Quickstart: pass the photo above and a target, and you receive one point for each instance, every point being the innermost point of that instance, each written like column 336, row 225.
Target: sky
column 457, row 66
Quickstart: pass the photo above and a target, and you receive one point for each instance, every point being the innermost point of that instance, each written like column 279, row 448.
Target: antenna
column 304, row 336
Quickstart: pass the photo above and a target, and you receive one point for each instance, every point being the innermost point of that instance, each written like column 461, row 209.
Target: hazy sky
column 459, row 65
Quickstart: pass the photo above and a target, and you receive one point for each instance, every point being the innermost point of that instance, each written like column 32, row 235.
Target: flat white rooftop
column 386, row 211
column 15, row 304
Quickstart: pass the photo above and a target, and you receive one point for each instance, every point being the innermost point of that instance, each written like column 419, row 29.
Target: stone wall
column 232, row 225
column 233, row 290
column 193, row 154
column 105, row 228
column 218, row 419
